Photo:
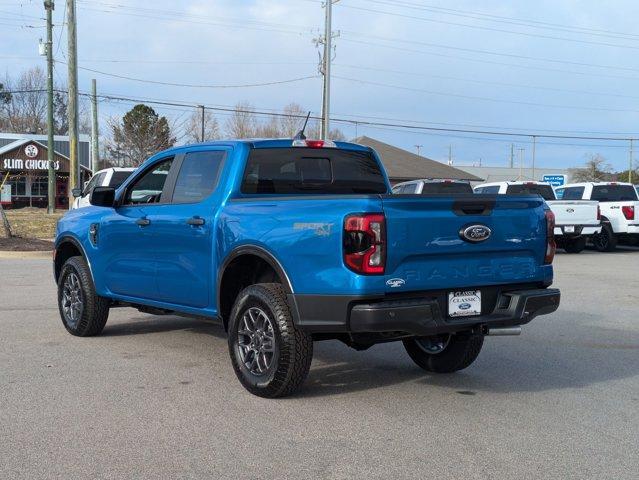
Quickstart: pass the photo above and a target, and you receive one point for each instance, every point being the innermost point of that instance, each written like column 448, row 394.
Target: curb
column 47, row 254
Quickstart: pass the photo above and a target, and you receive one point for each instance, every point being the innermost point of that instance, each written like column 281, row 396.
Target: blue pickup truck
column 287, row 242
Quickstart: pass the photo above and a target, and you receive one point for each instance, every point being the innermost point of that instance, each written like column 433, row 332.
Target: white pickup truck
column 575, row 219
column 619, row 203
column 109, row 177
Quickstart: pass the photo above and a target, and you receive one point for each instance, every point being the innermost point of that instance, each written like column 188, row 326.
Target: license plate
column 569, row 229
column 464, row 304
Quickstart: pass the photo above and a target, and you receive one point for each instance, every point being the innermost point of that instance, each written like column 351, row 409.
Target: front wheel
column 83, row 312
column 606, row 241
column 270, row 355
column 444, row 353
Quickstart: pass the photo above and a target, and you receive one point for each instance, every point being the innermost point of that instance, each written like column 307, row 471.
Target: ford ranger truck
column 619, row 203
column 576, row 220
column 291, row 242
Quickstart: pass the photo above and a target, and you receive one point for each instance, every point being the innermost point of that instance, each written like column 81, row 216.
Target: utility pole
column 631, row 163
column 418, row 147
column 450, row 155
column 95, row 147
column 49, row 6
column 521, row 163
column 534, row 145
column 512, row 156
column 201, row 107
column 327, row 41
column 74, row 170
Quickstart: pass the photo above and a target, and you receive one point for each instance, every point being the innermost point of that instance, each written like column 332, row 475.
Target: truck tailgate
column 574, row 212
column 426, row 249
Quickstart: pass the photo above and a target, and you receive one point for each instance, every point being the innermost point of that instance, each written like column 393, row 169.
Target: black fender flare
column 73, row 241
column 260, row 252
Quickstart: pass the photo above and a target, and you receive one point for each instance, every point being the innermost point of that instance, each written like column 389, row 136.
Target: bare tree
column 269, row 129
column 596, row 169
column 293, row 121
column 193, row 129
column 242, row 123
column 26, row 110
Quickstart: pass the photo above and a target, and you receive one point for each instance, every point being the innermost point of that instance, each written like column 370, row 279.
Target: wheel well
column 65, row 251
column 241, row 272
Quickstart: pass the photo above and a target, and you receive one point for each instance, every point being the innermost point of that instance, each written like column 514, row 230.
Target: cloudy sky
column 564, row 67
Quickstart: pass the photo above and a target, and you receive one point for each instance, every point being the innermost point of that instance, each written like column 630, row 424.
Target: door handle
column 143, row 222
column 196, row 221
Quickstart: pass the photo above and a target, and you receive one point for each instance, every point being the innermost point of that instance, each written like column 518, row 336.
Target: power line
column 500, row 30
column 485, row 82
column 191, row 85
column 509, row 20
column 491, row 62
column 402, row 126
column 487, row 99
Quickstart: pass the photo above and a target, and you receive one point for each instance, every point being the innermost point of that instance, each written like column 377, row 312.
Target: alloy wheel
column 256, row 341
column 72, row 300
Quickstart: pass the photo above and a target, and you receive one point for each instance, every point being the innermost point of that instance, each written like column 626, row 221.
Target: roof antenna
column 300, row 135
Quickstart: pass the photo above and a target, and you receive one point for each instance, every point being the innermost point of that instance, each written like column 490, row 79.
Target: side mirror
column 102, row 197
column 76, row 192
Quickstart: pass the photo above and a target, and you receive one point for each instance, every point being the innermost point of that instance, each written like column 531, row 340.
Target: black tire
column 574, row 245
column 606, row 241
column 288, row 359
column 91, row 315
column 461, row 351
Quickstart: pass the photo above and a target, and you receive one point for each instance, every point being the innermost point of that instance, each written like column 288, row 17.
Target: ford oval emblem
column 395, row 282
column 464, row 306
column 475, row 233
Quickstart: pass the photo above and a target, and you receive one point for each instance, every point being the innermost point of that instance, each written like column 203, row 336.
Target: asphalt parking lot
column 156, row 397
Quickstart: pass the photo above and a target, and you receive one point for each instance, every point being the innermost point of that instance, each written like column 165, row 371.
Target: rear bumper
column 579, row 230
column 633, row 229
column 424, row 315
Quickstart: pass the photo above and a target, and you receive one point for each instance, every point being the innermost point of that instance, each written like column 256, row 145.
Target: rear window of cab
column 312, row 171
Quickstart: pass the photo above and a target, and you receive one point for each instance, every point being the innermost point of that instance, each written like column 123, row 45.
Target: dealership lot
column 157, row 397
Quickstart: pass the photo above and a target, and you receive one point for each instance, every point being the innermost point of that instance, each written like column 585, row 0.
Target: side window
column 198, row 176
column 573, row 193
column 148, row 188
column 559, row 193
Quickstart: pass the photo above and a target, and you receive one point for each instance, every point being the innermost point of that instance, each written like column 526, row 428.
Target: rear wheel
column 444, row 353
column 271, row 357
column 606, row 241
column 574, row 245
column 83, row 312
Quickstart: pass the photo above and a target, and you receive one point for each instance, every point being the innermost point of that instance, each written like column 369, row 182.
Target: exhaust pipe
column 502, row 331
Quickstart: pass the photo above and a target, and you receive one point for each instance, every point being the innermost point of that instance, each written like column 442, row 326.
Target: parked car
column 619, row 204
column 289, row 242
column 575, row 220
column 109, row 177
column 433, row 186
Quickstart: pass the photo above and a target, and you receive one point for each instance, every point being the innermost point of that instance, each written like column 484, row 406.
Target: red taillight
column 314, row 143
column 302, row 142
column 551, row 246
column 365, row 243
column 628, row 212
column 598, row 212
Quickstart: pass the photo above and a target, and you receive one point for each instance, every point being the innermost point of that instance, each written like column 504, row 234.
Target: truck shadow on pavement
column 504, row 366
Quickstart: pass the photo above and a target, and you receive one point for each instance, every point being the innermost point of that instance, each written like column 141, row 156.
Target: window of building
column 18, row 186
column 39, row 186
